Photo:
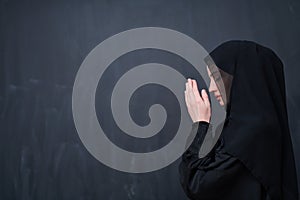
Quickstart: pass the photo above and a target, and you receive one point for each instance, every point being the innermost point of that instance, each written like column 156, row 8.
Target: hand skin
column 198, row 107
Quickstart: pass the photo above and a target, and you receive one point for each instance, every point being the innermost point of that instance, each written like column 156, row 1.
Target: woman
column 253, row 157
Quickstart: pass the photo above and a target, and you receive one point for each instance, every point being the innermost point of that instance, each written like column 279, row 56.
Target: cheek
column 213, row 84
column 210, row 84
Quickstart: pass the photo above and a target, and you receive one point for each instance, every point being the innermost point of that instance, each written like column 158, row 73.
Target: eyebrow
column 212, row 73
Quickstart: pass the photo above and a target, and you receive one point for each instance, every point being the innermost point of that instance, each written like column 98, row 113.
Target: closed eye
column 217, row 78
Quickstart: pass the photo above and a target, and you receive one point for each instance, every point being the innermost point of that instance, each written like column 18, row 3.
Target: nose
column 212, row 86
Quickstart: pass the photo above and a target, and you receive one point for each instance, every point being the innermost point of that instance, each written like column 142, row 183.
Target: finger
column 192, row 83
column 197, row 96
column 195, row 85
column 187, row 88
column 188, row 85
column 187, row 99
column 196, row 92
column 205, row 97
column 190, row 92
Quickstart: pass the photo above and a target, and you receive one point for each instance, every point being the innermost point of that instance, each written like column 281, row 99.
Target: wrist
column 199, row 120
column 202, row 119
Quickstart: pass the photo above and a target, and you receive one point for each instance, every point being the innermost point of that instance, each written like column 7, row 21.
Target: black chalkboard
column 42, row 45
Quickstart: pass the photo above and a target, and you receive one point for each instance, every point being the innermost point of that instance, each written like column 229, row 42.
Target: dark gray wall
column 42, row 46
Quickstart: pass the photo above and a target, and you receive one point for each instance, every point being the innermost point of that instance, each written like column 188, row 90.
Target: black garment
column 251, row 80
column 217, row 175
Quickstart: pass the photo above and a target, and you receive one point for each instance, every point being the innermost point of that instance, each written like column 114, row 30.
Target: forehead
column 207, row 69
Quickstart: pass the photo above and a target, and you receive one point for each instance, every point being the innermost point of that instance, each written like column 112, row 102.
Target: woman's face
column 214, row 89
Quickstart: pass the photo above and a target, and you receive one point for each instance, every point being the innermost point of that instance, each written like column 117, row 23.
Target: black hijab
column 256, row 127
